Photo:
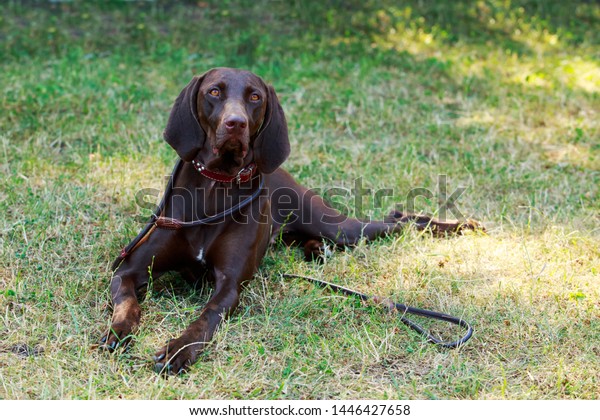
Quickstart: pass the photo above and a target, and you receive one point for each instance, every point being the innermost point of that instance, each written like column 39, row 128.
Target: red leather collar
column 244, row 175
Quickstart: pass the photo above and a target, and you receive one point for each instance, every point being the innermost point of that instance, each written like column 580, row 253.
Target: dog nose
column 235, row 123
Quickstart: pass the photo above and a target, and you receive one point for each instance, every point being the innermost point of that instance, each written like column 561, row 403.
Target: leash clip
column 245, row 173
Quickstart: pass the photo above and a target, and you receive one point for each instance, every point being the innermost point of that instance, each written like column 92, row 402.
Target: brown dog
column 226, row 201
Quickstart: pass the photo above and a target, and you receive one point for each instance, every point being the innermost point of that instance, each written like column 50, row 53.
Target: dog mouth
column 228, row 157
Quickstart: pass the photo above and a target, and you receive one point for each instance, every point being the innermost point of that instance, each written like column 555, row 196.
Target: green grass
column 500, row 96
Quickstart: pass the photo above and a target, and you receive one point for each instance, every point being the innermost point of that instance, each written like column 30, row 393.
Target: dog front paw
column 118, row 336
column 177, row 356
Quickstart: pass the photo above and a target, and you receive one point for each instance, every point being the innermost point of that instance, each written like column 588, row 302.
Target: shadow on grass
column 249, row 31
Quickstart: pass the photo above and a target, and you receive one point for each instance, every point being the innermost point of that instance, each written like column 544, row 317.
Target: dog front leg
column 183, row 351
column 152, row 257
column 126, row 310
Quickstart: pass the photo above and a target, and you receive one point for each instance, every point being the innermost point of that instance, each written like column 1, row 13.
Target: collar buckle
column 245, row 173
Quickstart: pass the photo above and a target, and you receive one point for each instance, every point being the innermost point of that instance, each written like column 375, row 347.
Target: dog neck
column 195, row 196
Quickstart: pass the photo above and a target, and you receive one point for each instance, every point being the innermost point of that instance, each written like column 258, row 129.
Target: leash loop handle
column 402, row 309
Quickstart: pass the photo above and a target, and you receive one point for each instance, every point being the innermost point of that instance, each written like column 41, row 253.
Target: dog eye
column 214, row 92
column 255, row 97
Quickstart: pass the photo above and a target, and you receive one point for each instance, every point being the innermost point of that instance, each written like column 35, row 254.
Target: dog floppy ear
column 183, row 131
column 272, row 146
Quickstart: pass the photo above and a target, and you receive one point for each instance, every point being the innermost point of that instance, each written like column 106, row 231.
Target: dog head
column 228, row 118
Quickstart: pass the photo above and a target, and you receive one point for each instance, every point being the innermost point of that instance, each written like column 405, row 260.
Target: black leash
column 402, row 309
column 162, row 222
column 169, row 223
